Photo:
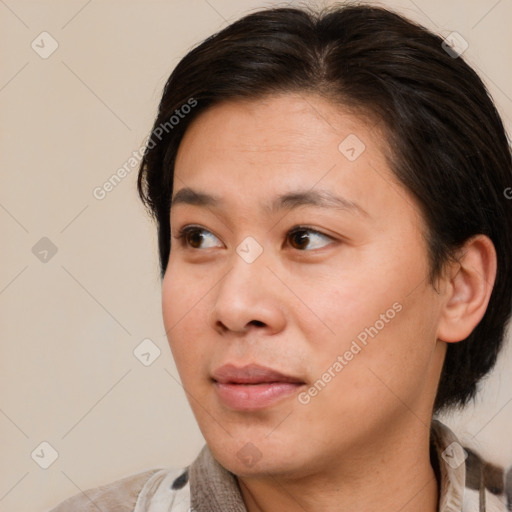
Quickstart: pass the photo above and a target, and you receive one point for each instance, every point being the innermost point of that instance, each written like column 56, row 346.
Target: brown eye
column 198, row 238
column 307, row 239
column 299, row 239
column 194, row 238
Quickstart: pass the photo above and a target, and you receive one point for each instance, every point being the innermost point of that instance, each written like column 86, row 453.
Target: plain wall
column 69, row 325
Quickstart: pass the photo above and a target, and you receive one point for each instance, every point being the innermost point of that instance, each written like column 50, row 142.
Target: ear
column 467, row 288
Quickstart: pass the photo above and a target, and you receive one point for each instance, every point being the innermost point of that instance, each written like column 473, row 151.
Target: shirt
column 206, row 486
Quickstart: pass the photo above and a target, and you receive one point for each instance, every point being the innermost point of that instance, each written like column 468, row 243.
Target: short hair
column 446, row 142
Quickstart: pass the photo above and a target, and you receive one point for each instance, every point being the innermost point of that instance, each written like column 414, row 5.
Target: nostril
column 221, row 327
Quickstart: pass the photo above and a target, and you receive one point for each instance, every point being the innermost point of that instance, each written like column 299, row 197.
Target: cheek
column 390, row 350
column 388, row 372
column 383, row 304
column 174, row 304
column 184, row 295
column 184, row 310
column 341, row 309
column 352, row 291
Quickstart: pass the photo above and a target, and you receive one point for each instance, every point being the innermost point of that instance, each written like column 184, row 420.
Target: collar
column 452, row 468
column 214, row 488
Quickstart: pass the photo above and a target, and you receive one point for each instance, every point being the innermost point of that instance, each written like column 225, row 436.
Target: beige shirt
column 206, row 486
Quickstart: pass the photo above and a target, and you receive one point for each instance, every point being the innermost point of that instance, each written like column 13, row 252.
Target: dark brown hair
column 447, row 144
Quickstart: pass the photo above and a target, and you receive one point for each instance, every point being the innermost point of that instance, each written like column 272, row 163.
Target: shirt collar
column 451, row 462
column 214, row 488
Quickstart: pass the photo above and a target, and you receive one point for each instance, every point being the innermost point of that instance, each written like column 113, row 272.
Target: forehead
column 259, row 149
column 287, row 126
column 276, row 134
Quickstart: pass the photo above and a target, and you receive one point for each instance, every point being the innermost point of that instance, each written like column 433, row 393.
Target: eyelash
column 186, row 230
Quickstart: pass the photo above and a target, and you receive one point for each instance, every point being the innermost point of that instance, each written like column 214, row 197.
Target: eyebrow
column 288, row 201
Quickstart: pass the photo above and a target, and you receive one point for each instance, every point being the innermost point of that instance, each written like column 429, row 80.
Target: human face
column 330, row 293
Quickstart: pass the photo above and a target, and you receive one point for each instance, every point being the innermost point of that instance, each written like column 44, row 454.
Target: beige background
column 68, row 375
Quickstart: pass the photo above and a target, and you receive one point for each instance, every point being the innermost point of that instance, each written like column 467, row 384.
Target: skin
column 362, row 442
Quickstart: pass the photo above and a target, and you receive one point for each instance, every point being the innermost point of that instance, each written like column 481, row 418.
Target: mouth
column 253, row 387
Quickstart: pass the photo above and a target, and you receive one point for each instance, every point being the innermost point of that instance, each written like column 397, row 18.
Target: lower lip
column 248, row 397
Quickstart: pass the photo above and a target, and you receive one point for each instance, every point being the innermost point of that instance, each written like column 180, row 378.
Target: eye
column 304, row 238
column 194, row 236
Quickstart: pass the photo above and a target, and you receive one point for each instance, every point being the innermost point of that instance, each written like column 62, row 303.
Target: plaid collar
column 215, row 489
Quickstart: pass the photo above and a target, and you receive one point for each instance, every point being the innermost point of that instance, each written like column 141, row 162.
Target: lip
column 253, row 386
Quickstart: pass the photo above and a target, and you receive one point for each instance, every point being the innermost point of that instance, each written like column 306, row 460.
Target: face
column 296, row 299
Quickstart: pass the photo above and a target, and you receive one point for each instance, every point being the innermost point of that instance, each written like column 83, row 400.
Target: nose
column 248, row 299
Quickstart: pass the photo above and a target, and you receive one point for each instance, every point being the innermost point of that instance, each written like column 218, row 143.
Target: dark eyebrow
column 288, row 201
column 318, row 198
column 190, row 196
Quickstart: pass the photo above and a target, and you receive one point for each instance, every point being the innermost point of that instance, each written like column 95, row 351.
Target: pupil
column 301, row 239
column 195, row 239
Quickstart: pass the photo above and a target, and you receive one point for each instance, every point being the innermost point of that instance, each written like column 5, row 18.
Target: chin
column 254, row 456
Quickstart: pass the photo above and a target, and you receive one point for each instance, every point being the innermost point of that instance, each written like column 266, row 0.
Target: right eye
column 193, row 236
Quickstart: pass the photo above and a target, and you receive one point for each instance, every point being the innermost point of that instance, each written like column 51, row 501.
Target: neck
column 397, row 476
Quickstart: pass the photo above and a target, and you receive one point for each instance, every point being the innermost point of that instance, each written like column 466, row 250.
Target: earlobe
column 468, row 289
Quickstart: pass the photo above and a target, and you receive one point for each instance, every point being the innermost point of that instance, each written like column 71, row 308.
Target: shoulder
column 118, row 496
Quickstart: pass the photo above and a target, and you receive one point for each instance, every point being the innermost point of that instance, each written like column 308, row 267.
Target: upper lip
column 250, row 374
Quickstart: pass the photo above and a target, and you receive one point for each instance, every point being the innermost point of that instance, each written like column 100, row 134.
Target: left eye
column 304, row 238
column 196, row 237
